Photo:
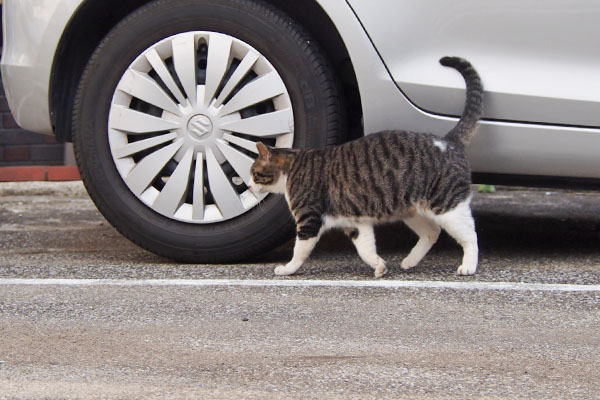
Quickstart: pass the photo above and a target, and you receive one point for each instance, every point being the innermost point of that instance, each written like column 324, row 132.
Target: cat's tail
column 465, row 129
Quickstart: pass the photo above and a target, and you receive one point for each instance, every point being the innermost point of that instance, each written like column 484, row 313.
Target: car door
column 538, row 58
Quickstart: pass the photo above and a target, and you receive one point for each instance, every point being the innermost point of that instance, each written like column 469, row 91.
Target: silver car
column 164, row 100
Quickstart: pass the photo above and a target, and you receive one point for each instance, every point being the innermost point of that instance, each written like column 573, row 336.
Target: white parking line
column 388, row 284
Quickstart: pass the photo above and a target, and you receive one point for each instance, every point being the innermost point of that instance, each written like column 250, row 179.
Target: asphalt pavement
column 85, row 314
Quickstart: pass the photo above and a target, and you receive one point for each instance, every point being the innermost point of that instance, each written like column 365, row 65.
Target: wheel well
column 314, row 19
column 94, row 19
column 86, row 29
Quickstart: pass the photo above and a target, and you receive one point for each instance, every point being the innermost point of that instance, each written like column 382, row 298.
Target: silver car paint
column 32, row 30
column 539, row 59
column 498, row 148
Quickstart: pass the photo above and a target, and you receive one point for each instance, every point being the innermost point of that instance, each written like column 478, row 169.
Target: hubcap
column 184, row 122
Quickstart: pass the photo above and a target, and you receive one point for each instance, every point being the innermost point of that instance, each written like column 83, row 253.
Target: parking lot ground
column 85, row 314
column 53, row 230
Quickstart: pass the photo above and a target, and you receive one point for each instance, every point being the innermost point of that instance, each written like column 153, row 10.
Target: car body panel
column 32, row 31
column 499, row 147
column 31, row 44
column 538, row 59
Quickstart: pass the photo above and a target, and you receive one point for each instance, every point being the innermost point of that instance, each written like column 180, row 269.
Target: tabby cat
column 421, row 179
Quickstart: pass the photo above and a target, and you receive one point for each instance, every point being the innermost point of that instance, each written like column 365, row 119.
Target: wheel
column 167, row 116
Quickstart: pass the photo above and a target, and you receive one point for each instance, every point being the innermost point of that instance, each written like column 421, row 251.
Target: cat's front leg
column 302, row 250
column 364, row 241
column 308, row 233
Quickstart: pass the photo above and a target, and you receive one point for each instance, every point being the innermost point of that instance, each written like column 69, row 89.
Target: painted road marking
column 388, row 284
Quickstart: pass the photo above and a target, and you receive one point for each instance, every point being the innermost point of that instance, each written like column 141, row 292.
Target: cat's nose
column 254, row 187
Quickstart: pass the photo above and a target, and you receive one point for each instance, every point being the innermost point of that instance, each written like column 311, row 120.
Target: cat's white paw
column 380, row 270
column 466, row 270
column 408, row 263
column 283, row 270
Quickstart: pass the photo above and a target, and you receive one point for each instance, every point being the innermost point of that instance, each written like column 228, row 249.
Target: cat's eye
column 258, row 176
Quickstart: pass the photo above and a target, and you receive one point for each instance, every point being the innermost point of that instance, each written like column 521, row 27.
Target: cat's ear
column 263, row 150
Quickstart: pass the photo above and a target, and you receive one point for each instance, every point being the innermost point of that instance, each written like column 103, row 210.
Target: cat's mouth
column 257, row 188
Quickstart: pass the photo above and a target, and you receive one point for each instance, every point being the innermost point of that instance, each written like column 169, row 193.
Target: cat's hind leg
column 428, row 232
column 460, row 225
column 364, row 241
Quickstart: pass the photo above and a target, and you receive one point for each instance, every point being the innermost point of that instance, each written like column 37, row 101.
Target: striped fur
column 465, row 129
column 388, row 176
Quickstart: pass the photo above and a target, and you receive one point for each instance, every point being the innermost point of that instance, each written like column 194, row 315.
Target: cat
column 419, row 178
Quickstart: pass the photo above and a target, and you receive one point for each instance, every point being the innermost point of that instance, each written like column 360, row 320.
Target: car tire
column 310, row 89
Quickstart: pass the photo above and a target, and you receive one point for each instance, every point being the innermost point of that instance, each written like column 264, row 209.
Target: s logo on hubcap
column 200, row 126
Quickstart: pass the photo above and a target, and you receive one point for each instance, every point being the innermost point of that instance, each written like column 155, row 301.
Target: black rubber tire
column 306, row 74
